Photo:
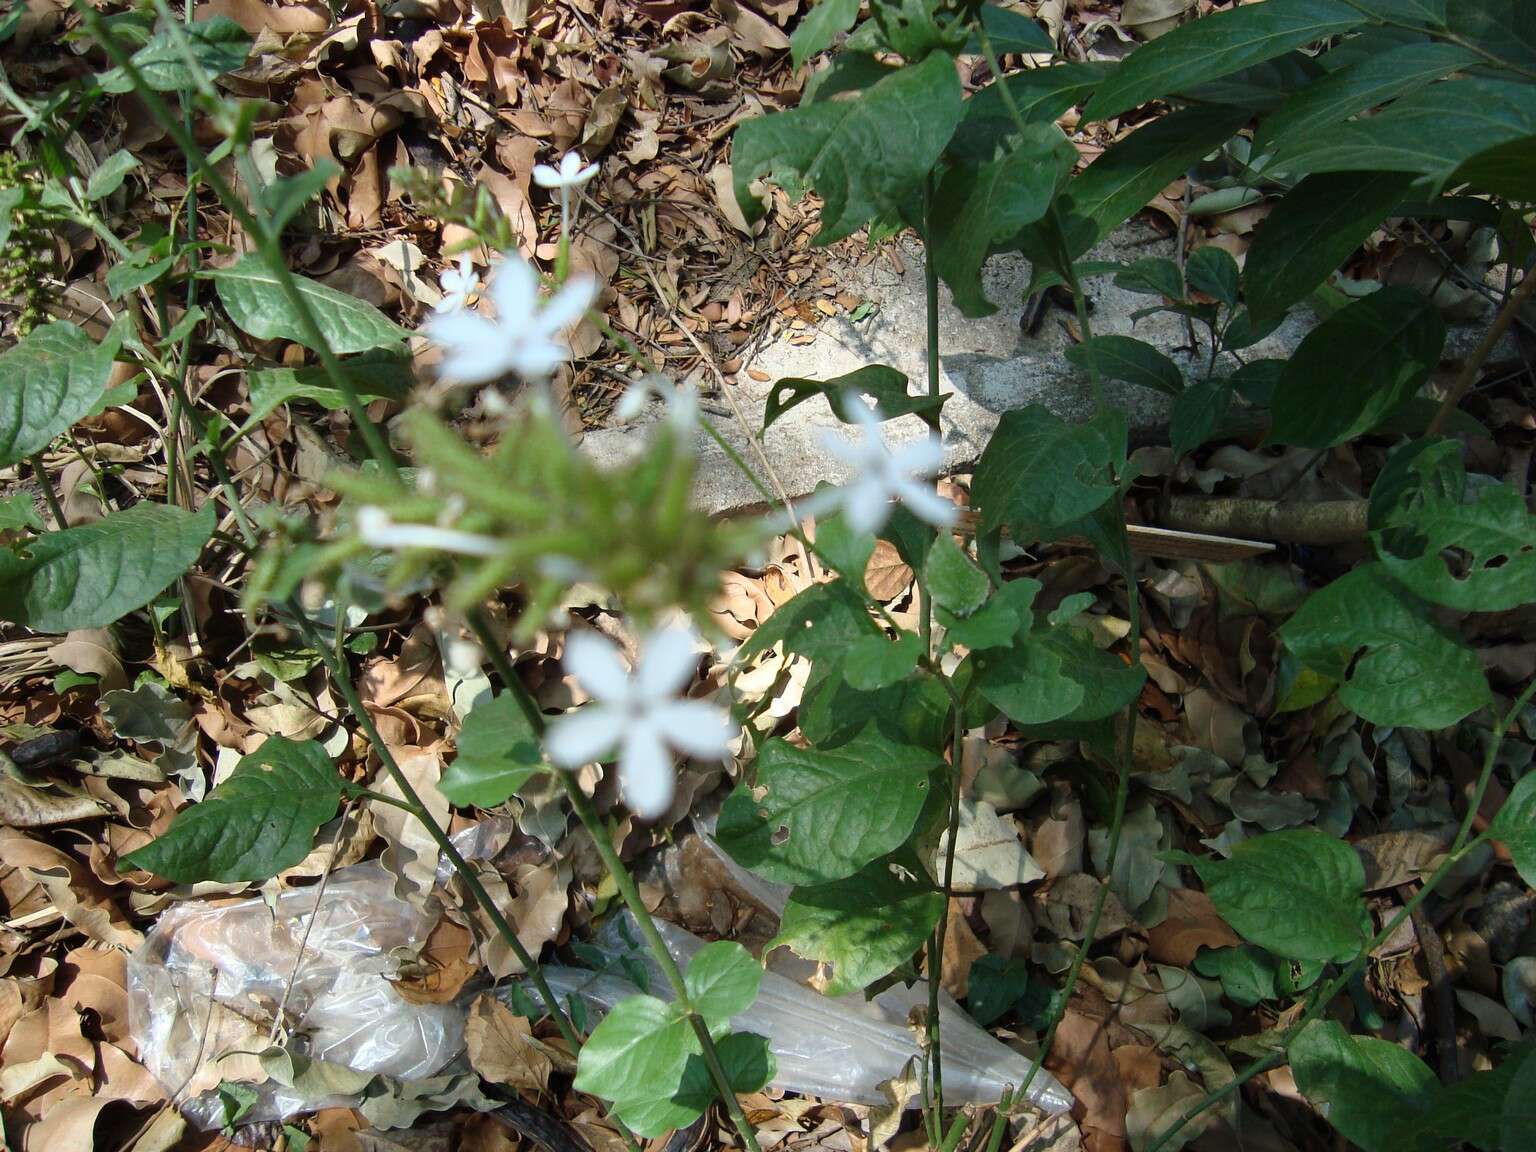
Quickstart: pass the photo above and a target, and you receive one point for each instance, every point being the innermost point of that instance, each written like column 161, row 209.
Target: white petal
column 594, row 660
column 646, row 776
column 667, row 663
column 568, row 305
column 545, row 176
column 515, row 288
column 537, row 357
column 583, row 736
column 861, row 414
column 467, row 270
column 921, row 457
column 633, row 402
column 926, row 504
column 841, row 449
column 476, row 349
column 696, row 727
column 867, row 505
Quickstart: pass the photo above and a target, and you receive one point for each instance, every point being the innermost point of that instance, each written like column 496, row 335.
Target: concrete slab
column 990, row 365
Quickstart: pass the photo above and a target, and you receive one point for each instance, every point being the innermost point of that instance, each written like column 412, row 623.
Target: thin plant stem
column 1463, row 844
column 269, row 242
column 622, row 879
column 40, row 474
column 1468, row 374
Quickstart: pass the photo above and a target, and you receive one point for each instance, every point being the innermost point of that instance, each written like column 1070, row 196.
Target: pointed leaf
column 1126, row 358
column 722, row 981
column 498, row 752
column 1365, row 1083
column 1039, row 472
column 52, row 378
column 1515, row 827
column 254, row 299
column 819, row 27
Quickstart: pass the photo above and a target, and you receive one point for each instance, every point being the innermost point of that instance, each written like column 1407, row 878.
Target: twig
column 1468, row 374
column 1323, row 523
column 1442, row 997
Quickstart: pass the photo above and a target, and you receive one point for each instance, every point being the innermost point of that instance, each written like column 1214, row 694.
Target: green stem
column 40, row 474
column 269, row 243
column 1463, row 844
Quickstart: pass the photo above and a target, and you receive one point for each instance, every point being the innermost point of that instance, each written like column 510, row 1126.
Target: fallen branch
column 1321, row 523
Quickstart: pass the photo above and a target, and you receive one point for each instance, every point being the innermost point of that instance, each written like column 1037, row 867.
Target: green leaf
column 109, row 176
column 952, row 578
column 1431, row 132
column 1052, row 674
column 638, row 1053
column 1213, row 271
column 1152, row 276
column 1197, row 412
column 1418, row 474
column 1296, row 892
column 996, row 622
column 1494, row 1111
column 1428, row 12
column 1010, row 31
column 1515, row 827
column 1397, row 665
column 875, row 662
column 865, row 925
column 138, row 270
column 976, row 211
column 1039, row 472
column 722, row 981
column 886, row 386
column 1040, row 96
column 996, row 985
column 1246, row 973
column 259, row 821
column 866, row 157
column 218, row 45
column 823, row 814
column 748, row 1066
column 91, row 575
column 1126, row 358
column 818, row 624
column 1215, row 45
column 1373, row 80
column 1312, row 231
column 1493, row 567
column 251, row 294
column 17, row 512
column 498, row 752
column 283, row 197
column 847, row 551
column 1356, row 368
column 819, row 27
column 1366, row 1084
column 53, row 377
column 375, row 375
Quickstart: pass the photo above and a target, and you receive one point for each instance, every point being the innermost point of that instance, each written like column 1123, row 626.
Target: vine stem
column 40, row 472
column 1468, row 374
column 268, row 240
column 582, row 806
column 1463, row 844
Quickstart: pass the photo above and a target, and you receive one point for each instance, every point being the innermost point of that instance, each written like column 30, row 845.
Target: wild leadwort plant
column 846, row 814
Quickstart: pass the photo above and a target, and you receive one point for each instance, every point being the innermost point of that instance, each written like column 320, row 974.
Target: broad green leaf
column 866, row 157
column 91, row 575
column 1356, row 368
column 1040, row 96
column 914, row 710
column 259, row 821
column 876, row 662
column 722, row 982
column 1366, row 1084
column 886, row 386
column 1038, row 472
column 1373, row 80
column 498, row 752
column 1197, row 413
column 1126, row 358
column 1515, row 827
column 865, row 925
column 846, row 551
column 952, row 578
column 818, row 624
column 374, row 375
column 138, row 270
column 283, row 197
column 1246, row 973
column 1010, row 31
column 1494, row 1111
column 52, row 378
column 1430, row 13
column 1297, row 893
column 819, row 27
column 638, row 1053
column 1418, row 474
column 1504, row 28
column 1053, row 674
column 1396, row 664
column 817, row 815
column 977, row 211
column 1312, row 231
column 996, row 622
column 1152, row 276
column 1213, row 271
column 108, row 178
column 1215, row 45
column 748, row 1065
column 1493, row 539
column 218, row 45
column 1430, row 132
column 251, row 294
column 18, row 512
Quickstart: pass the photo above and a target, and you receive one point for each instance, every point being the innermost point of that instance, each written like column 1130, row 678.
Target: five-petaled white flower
column 639, row 713
column 458, row 285
column 525, row 337
column 883, row 474
column 570, row 174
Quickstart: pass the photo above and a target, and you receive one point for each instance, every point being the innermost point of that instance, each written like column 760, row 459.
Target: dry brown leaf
column 962, row 948
column 502, row 1049
column 887, row 575
column 1191, row 924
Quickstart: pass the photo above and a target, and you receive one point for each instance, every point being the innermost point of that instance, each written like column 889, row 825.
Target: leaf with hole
column 866, row 157
column 259, row 821
column 1477, row 556
column 885, row 386
column 91, row 575
column 817, row 815
column 254, row 298
column 53, row 377
column 1296, row 893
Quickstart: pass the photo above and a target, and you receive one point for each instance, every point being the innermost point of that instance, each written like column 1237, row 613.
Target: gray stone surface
column 990, row 365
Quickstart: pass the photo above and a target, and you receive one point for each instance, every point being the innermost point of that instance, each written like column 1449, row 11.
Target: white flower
column 682, row 403
column 377, row 529
column 458, row 285
column 525, row 336
column 570, row 174
column 884, row 475
column 639, row 713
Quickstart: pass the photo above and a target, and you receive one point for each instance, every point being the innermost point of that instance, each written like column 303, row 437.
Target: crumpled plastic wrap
column 838, row 1048
column 209, row 978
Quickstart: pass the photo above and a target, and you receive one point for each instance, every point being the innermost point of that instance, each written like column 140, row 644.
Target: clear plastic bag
column 210, row 978
column 835, row 1048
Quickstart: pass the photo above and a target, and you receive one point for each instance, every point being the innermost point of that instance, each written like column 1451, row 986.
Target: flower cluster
column 883, row 475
